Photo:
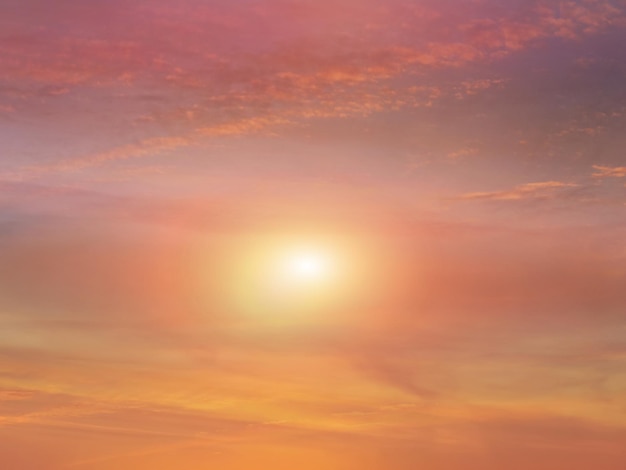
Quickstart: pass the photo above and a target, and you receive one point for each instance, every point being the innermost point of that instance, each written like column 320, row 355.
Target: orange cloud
column 541, row 190
column 609, row 171
column 10, row 395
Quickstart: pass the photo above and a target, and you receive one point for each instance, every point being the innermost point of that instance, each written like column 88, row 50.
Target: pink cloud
column 544, row 189
column 603, row 171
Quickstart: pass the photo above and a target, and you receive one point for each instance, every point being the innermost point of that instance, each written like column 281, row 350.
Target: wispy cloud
column 540, row 190
column 609, row 171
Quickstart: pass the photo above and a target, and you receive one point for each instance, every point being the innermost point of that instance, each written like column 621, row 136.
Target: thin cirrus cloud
column 347, row 79
column 609, row 172
column 541, row 190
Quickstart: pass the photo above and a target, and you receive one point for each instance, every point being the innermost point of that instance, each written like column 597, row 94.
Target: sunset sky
column 313, row 234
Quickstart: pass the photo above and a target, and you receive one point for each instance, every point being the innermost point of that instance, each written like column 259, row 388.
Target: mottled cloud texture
column 466, row 158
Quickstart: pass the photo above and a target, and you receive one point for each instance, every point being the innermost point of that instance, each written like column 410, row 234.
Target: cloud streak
column 528, row 191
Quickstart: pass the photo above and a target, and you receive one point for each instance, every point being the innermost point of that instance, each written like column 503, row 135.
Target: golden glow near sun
column 287, row 278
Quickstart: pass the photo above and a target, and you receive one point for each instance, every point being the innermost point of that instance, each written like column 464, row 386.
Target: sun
column 301, row 271
column 287, row 279
column 308, row 266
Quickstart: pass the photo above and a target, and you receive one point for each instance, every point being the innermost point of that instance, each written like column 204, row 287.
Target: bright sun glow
column 308, row 266
column 302, row 270
column 289, row 278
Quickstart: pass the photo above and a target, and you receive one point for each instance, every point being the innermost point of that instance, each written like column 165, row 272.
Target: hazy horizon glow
column 298, row 234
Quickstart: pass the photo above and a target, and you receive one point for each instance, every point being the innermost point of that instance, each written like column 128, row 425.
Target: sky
column 313, row 234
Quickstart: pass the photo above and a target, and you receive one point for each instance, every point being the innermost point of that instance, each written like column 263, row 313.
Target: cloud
column 15, row 394
column 243, row 86
column 553, row 432
column 147, row 147
column 245, row 126
column 609, row 171
column 303, row 68
column 528, row 191
column 464, row 152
